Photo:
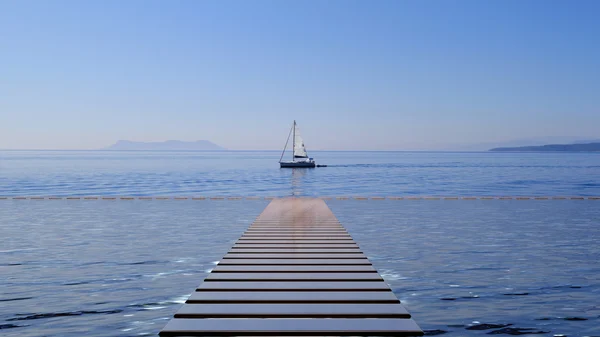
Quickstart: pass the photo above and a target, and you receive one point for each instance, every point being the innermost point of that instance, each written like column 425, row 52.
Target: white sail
column 299, row 149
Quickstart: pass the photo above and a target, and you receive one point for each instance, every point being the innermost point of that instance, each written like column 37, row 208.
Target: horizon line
column 327, row 197
column 232, row 150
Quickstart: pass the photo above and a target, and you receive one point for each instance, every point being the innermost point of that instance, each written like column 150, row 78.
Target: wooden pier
column 294, row 272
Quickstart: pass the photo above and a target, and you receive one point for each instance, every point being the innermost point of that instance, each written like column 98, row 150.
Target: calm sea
column 134, row 173
column 462, row 267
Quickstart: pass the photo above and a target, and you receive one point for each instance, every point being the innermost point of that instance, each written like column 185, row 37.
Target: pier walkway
column 294, row 272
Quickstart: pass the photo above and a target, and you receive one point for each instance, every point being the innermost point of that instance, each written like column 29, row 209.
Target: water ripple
column 62, row 314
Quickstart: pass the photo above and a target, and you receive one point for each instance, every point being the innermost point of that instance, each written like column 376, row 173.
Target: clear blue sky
column 355, row 74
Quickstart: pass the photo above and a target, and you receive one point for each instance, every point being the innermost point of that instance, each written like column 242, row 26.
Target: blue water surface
column 462, row 267
column 234, row 173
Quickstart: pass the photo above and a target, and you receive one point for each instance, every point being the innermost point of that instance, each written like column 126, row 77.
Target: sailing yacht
column 299, row 156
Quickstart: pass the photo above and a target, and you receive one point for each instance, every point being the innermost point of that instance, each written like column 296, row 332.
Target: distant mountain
column 587, row 141
column 538, row 141
column 169, row 145
column 589, row 147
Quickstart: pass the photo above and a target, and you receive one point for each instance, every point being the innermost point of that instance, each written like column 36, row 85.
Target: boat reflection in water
column 297, row 181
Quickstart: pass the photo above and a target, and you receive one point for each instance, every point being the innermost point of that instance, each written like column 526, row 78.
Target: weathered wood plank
column 323, row 231
column 277, row 242
column 296, row 237
column 296, row 221
column 297, row 310
column 291, row 233
column 297, row 225
column 296, row 228
column 295, row 250
column 293, row 297
column 294, row 277
column 295, row 242
column 294, row 256
column 330, row 235
column 294, row 286
column 307, row 262
column 293, row 245
column 299, row 219
column 292, row 327
column 294, row 269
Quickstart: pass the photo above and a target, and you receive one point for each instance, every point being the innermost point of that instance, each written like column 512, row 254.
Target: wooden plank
column 283, row 236
column 299, row 226
column 310, row 277
column 297, row 310
column 295, row 250
column 295, row 256
column 275, row 233
column 316, row 215
column 319, row 215
column 297, row 229
column 293, row 232
column 294, row 239
column 294, row 269
column 291, row 327
column 306, row 262
column 294, row 245
column 290, row 241
column 296, row 224
column 330, row 235
column 294, row 286
column 296, row 220
column 292, row 297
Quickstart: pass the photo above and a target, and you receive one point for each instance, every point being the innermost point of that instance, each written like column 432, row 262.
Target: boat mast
column 294, row 143
column 286, row 143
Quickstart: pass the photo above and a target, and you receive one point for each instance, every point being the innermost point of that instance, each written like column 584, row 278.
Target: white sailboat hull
column 297, row 164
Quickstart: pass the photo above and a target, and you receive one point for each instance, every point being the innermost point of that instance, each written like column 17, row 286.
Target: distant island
column 169, row 145
column 588, row 147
